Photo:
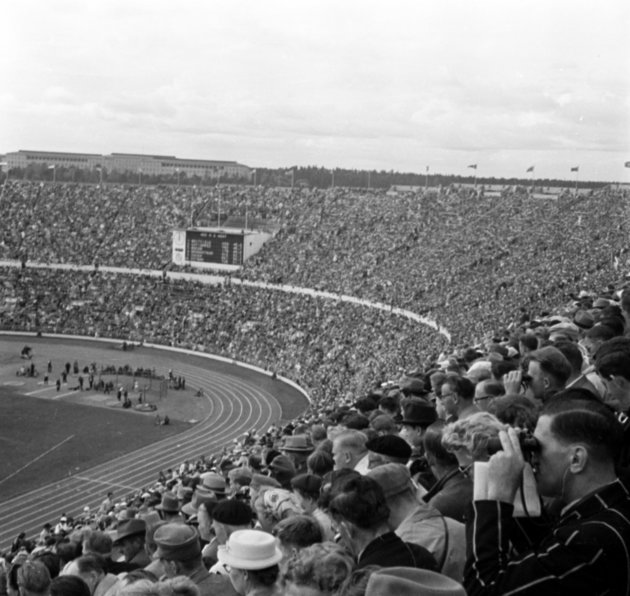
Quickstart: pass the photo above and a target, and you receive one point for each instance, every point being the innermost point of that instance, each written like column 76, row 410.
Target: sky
column 367, row 84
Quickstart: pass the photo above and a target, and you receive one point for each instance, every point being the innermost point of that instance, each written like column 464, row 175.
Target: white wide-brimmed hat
column 250, row 549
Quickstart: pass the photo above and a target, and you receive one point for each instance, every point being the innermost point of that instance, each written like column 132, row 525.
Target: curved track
column 236, row 406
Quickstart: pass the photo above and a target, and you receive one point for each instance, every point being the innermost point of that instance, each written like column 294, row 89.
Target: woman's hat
column 250, row 550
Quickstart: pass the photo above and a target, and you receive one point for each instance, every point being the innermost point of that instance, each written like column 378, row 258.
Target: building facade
column 157, row 165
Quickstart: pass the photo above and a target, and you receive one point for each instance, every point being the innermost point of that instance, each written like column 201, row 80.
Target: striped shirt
column 587, row 553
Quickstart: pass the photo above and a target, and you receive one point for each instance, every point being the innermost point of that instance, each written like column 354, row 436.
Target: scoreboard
column 214, row 247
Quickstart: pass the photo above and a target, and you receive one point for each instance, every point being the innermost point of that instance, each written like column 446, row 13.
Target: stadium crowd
column 479, row 256
column 491, row 467
column 325, row 346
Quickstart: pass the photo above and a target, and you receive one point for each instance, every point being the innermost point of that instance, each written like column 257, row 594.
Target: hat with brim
column 250, row 550
column 214, row 482
column 408, row 581
column 169, row 503
column 418, row 412
column 413, row 386
column 201, row 496
column 133, row 527
column 298, row 444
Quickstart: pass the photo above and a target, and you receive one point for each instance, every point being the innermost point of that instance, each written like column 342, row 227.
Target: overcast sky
column 336, row 83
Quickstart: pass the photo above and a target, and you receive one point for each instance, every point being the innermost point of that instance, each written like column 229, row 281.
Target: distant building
column 129, row 162
column 619, row 186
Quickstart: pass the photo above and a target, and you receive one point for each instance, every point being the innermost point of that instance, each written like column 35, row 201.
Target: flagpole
column 577, row 173
column 332, row 183
column 426, row 180
column 292, row 177
column 4, row 163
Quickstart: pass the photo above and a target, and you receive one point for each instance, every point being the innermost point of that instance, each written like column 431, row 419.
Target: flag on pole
column 427, row 169
column 51, row 167
column 473, row 166
column 627, row 164
column 530, row 169
column 575, row 169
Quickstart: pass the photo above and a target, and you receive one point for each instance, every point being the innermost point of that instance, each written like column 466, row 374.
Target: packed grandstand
column 494, row 273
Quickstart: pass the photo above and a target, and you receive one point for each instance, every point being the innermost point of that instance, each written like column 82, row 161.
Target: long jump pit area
column 64, row 446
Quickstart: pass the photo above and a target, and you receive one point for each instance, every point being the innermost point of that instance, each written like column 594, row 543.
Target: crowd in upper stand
column 461, row 258
column 524, row 437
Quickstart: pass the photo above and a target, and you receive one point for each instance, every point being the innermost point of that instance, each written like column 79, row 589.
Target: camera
column 529, row 444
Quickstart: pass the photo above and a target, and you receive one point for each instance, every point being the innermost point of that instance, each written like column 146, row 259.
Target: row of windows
column 57, row 159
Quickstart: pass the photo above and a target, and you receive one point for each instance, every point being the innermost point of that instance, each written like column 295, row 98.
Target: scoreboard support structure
column 216, row 248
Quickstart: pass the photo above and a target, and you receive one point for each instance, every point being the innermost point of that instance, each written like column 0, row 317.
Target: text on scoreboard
column 214, row 247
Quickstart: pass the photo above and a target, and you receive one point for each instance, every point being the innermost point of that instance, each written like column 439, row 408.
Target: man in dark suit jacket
column 587, row 552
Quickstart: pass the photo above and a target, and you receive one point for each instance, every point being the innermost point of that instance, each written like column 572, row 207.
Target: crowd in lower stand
column 498, row 466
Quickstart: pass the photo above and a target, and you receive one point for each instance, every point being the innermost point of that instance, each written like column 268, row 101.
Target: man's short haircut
column 69, row 585
column 494, row 388
column 437, row 379
column 613, row 358
column 498, row 368
column 601, row 332
column 529, row 340
column 572, row 353
column 264, row 577
column 617, row 324
column 320, row 462
column 67, row 550
column 34, row 577
column 552, row 362
column 586, row 421
column 354, row 440
column 98, row 542
column 361, row 502
column 516, row 411
column 50, row 559
column 464, row 387
column 318, row 432
column 91, row 562
column 299, row 531
column 433, row 447
column 389, row 403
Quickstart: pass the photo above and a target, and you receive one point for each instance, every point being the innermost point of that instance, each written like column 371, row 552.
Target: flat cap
column 392, row 478
column 177, row 542
column 232, row 512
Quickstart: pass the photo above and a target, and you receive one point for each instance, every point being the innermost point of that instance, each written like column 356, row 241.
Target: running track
column 236, row 406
